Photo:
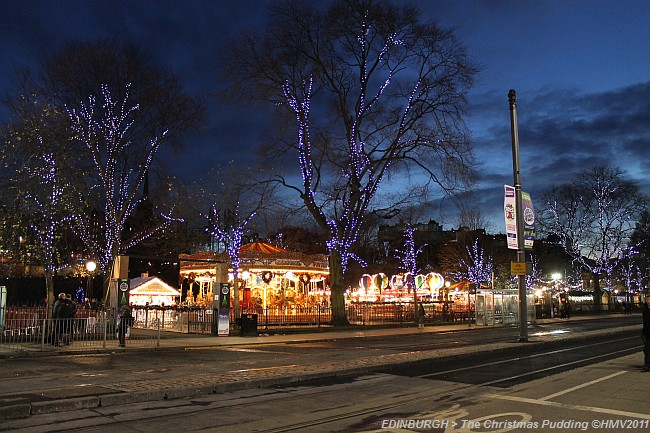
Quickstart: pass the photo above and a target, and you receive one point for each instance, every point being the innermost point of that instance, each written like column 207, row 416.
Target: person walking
column 645, row 334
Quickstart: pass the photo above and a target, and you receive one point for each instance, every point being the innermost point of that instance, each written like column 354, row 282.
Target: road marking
column 536, row 355
column 557, row 394
column 571, row 406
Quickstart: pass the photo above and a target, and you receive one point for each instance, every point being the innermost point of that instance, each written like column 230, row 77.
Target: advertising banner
column 529, row 220
column 223, row 325
column 510, row 211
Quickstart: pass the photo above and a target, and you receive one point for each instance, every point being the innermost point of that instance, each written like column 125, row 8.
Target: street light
column 90, row 267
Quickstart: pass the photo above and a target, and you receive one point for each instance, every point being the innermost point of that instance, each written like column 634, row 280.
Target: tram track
column 552, row 362
column 538, row 355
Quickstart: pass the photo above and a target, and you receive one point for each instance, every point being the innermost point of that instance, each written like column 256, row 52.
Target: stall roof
column 152, row 286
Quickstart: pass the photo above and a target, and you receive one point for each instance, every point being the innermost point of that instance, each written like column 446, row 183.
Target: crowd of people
column 64, row 312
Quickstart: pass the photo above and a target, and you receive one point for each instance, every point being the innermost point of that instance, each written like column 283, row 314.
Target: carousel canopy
column 261, row 247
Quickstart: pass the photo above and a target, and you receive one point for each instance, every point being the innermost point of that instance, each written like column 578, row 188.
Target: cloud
column 561, row 132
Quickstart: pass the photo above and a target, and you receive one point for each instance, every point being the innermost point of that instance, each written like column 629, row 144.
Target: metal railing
column 101, row 331
column 200, row 321
column 28, row 328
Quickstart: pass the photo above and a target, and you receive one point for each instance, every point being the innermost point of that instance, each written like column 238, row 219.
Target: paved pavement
column 15, row 402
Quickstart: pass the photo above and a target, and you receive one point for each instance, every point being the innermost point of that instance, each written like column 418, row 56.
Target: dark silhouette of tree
column 375, row 93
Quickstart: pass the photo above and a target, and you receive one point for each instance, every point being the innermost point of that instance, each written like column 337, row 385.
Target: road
column 533, row 380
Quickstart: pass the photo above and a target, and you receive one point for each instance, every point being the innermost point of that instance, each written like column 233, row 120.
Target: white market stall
column 152, row 291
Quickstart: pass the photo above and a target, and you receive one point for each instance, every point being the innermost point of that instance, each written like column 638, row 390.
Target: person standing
column 57, row 319
column 645, row 334
column 68, row 313
column 421, row 315
column 126, row 321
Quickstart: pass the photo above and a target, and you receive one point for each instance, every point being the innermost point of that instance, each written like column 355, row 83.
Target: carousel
column 400, row 288
column 269, row 277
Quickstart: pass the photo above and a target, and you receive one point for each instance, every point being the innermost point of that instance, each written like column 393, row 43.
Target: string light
column 478, row 268
column 232, row 235
column 408, row 256
column 105, row 135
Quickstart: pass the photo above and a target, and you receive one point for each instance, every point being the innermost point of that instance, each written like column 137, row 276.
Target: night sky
column 581, row 70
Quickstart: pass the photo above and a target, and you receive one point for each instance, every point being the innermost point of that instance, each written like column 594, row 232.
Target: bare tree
column 39, row 106
column 476, row 266
column 376, row 94
column 594, row 217
column 237, row 197
column 36, row 186
column 48, row 204
column 120, row 167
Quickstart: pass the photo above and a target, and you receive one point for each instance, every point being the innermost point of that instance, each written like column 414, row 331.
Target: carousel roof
column 251, row 259
column 261, row 247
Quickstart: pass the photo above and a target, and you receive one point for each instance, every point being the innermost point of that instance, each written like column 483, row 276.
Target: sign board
column 224, row 295
column 223, row 325
column 521, row 268
column 123, row 286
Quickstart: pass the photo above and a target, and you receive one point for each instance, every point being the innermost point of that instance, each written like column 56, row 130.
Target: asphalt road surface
column 549, row 389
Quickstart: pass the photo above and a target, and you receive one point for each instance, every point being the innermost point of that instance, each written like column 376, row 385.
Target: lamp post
column 90, row 267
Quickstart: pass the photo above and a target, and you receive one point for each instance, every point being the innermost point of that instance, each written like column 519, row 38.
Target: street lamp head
column 91, row 266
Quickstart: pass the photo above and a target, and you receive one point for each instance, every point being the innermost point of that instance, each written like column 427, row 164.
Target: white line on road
column 571, row 406
column 566, row 391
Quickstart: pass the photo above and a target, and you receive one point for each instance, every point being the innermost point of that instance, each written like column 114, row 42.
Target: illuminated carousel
column 270, row 277
column 399, row 288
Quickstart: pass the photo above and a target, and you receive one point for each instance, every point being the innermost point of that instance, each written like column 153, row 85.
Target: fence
column 36, row 333
column 362, row 313
column 28, row 328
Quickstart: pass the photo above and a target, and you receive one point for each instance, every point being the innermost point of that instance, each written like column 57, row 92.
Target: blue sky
column 581, row 70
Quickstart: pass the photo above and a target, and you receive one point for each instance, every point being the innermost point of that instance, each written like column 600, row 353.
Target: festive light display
column 231, row 235
column 477, row 268
column 48, row 203
column 104, row 132
column 408, row 255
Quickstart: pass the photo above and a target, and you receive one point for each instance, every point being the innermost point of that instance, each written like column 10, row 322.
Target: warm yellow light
column 91, row 266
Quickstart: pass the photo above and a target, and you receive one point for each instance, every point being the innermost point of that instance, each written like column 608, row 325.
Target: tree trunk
column 49, row 287
column 337, row 299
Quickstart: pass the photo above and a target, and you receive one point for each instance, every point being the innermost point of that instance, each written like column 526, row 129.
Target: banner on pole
column 529, row 220
column 510, row 211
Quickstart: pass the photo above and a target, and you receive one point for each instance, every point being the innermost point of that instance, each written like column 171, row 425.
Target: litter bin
column 248, row 324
